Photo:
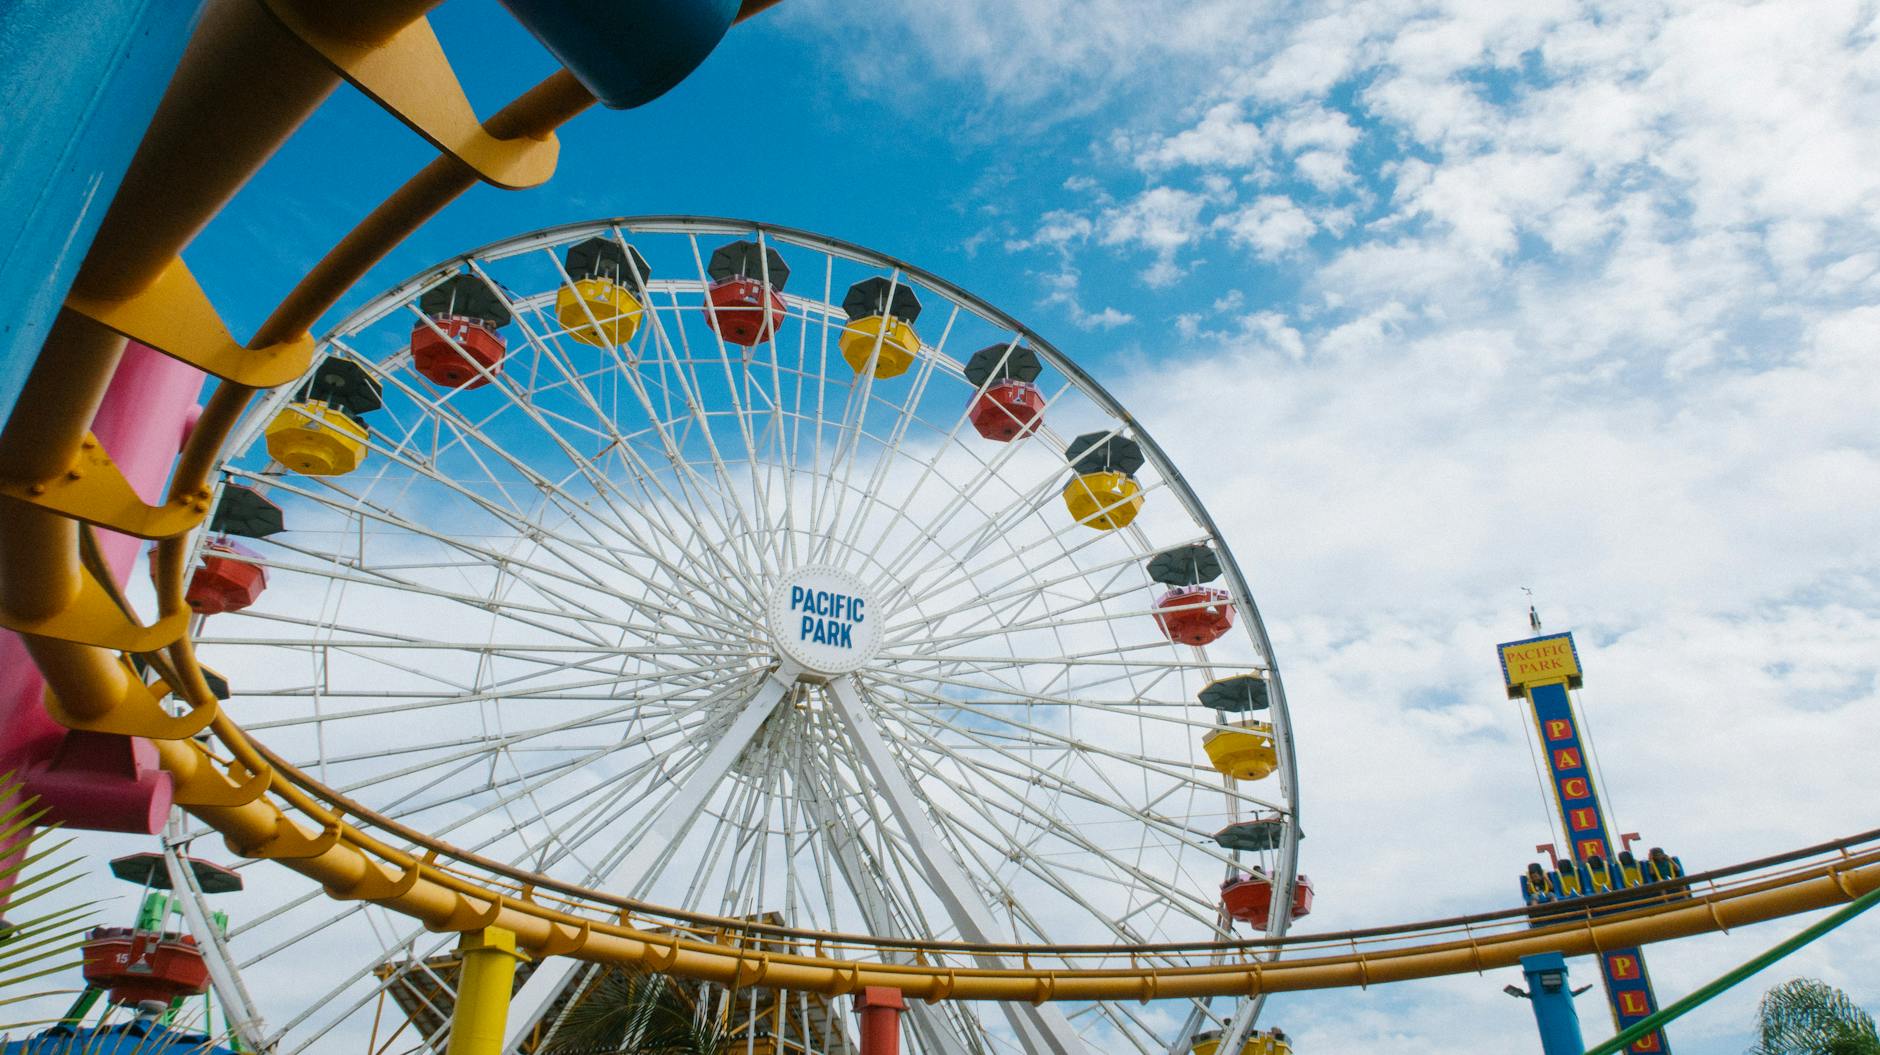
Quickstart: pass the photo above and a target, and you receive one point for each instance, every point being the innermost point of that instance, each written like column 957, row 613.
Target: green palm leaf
column 1807, row 1017
column 40, row 937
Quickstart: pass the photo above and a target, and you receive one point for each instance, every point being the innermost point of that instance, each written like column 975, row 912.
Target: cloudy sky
column 1432, row 301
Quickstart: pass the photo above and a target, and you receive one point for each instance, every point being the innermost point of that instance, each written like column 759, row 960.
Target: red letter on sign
column 1582, row 819
column 1566, row 758
column 1648, row 1042
column 1624, row 968
column 1632, row 1002
column 1558, row 729
column 1574, row 787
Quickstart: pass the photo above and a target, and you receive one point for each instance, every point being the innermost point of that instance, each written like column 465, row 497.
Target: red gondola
column 740, row 306
column 1195, row 615
column 139, row 965
column 434, row 355
column 1010, row 405
column 1249, row 898
column 456, row 345
column 1008, row 410
column 226, row 582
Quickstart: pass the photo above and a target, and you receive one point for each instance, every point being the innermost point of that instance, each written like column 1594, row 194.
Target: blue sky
column 1432, row 300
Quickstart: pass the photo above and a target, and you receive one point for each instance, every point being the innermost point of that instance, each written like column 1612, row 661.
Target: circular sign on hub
column 822, row 618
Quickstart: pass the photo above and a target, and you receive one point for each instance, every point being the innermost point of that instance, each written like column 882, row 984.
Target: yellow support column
column 483, row 989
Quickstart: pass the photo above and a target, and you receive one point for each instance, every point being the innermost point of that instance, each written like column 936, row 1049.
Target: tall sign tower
column 1540, row 670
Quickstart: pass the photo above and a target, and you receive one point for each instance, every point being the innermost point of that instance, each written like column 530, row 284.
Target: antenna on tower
column 1534, row 617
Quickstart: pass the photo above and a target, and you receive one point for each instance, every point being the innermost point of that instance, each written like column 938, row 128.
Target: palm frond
column 1804, row 1016
column 47, row 942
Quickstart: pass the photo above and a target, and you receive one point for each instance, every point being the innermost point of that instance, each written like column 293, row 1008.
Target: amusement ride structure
column 668, row 594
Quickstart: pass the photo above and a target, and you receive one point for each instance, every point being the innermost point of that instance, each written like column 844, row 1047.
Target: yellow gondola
column 897, row 339
column 314, row 438
column 598, row 311
column 1104, row 500
column 1243, row 750
column 1266, row 1042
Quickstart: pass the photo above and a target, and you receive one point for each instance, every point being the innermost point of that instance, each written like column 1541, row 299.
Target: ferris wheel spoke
column 661, row 342
column 848, row 856
column 670, row 825
column 904, row 418
column 1026, row 582
column 848, row 434
column 545, row 618
column 965, row 490
column 478, row 755
column 513, row 515
column 1049, row 619
column 1058, row 537
column 1007, row 841
column 578, row 572
column 1027, row 772
column 581, row 465
column 759, row 483
column 716, row 675
column 1173, row 769
column 1044, row 1026
column 1028, row 502
column 898, row 874
column 537, row 652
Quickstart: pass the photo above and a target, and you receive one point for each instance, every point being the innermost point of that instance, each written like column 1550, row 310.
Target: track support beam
column 483, row 987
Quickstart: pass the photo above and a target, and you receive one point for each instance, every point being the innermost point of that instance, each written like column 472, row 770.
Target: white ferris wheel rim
column 726, row 589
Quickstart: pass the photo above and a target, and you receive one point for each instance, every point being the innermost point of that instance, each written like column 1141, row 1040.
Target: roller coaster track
column 210, row 134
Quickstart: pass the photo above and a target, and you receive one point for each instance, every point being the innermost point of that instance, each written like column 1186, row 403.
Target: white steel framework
column 533, row 625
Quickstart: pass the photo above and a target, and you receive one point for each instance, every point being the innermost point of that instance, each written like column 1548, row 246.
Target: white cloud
column 1224, row 138
column 1161, row 220
column 1271, row 226
column 1062, row 291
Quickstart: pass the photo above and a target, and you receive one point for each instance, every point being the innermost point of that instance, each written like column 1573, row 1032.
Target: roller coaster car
column 1659, row 867
column 1599, row 876
column 1630, row 872
column 226, row 581
column 1267, row 1042
column 1195, row 615
column 1243, row 750
column 316, row 439
column 144, row 965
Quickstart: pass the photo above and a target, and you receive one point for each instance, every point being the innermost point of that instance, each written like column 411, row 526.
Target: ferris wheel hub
column 825, row 619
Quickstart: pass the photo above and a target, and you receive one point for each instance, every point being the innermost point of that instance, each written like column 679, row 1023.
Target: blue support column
column 82, row 81
column 1552, row 996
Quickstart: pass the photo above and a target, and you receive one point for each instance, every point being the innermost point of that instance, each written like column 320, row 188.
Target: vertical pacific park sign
column 823, row 618
column 1542, row 670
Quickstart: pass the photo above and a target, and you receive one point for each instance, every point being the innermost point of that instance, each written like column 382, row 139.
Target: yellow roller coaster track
column 212, row 131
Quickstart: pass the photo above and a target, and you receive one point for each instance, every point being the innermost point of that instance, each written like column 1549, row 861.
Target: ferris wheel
column 744, row 575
